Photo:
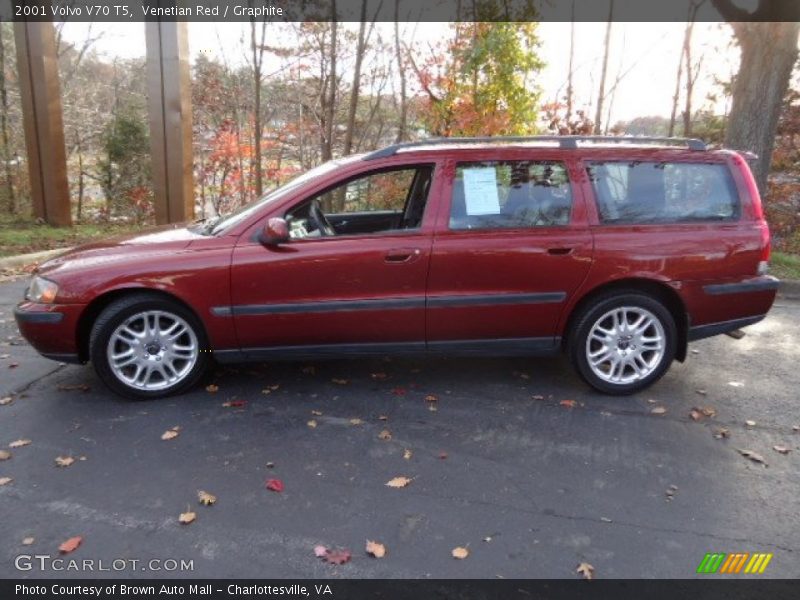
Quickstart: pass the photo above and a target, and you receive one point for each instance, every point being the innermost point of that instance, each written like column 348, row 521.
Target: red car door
column 510, row 249
column 342, row 292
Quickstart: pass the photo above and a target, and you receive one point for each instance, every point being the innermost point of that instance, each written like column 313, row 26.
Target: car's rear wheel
column 144, row 346
column 623, row 342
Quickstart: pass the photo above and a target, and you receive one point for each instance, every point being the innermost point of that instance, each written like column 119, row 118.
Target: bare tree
column 602, row 92
column 11, row 197
column 570, row 89
column 329, row 94
column 257, row 48
column 692, row 70
column 768, row 54
column 401, row 126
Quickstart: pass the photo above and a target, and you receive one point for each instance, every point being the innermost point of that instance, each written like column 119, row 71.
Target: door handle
column 402, row 255
column 559, row 251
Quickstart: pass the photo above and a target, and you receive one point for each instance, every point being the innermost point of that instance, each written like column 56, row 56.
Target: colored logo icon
column 734, row 563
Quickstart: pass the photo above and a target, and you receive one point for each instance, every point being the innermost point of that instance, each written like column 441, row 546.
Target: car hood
column 169, row 238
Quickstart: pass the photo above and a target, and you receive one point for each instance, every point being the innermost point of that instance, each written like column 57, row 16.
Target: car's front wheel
column 144, row 346
column 623, row 342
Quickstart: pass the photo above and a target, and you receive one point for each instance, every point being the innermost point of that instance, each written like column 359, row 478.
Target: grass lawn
column 785, row 266
column 18, row 236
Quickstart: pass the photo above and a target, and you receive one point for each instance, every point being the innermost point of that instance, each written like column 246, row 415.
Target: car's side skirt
column 539, row 346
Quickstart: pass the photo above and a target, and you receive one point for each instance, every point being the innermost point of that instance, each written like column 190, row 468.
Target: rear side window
column 663, row 192
column 510, row 194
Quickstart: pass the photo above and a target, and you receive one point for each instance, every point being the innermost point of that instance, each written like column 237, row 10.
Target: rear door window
column 663, row 192
column 510, row 194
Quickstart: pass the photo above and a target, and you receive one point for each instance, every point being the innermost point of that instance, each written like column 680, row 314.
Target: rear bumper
column 50, row 328
column 765, row 283
column 700, row 332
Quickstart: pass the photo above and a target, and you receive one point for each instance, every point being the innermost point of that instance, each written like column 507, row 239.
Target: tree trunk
column 691, row 74
column 11, row 199
column 570, row 89
column 401, row 127
column 330, row 109
column 602, row 92
column 769, row 52
column 258, row 56
column 354, row 90
column 674, row 115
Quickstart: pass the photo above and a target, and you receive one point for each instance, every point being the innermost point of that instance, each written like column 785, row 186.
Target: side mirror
column 276, row 231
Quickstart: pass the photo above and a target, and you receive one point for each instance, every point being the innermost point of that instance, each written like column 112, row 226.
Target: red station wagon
column 619, row 251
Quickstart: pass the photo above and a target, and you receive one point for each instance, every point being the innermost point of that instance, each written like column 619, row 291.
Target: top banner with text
column 395, row 10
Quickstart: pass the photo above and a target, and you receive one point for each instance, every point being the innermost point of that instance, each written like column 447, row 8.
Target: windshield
column 219, row 224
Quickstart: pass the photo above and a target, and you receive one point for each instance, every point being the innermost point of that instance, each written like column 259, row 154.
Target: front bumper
column 50, row 328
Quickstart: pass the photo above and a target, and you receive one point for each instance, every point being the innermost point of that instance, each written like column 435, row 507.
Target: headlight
column 41, row 290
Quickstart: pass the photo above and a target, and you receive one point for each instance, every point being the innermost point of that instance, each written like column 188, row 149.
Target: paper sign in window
column 480, row 191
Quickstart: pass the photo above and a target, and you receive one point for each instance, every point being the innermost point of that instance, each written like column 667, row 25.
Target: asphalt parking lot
column 513, row 459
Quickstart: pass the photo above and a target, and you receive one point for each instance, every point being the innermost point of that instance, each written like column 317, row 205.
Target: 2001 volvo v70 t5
column 618, row 250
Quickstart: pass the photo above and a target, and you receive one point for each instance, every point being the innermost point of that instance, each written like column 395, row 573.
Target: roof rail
column 564, row 141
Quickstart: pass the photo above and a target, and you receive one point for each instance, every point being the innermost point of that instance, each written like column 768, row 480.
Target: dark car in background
column 618, row 251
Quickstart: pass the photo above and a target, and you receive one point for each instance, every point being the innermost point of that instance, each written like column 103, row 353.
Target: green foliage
column 124, row 168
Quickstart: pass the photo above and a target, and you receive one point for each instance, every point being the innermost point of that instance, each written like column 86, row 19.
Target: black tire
column 589, row 315
column 120, row 310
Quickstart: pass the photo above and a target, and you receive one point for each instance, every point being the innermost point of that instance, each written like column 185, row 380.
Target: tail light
column 763, row 264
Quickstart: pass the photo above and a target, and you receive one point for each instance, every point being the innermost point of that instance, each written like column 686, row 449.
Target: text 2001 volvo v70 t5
column 618, row 251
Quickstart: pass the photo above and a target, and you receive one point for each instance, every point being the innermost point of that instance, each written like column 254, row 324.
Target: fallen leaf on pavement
column 606, row 520
column 320, row 551
column 385, row 435
column 312, row 423
column 70, row 545
column 701, row 392
column 28, row 541
column 68, row 387
column 316, row 413
column 537, row 397
column 460, row 553
column 568, row 403
column 407, row 454
column 432, row 407
column 398, row 482
column 670, row 491
column 234, row 403
column 735, row 384
column 750, row 423
column 338, row 557
column 431, row 398
column 171, row 434
column 13, row 365
column 274, row 485
column 5, row 454
column 586, row 570
column 795, row 428
column 212, row 388
column 6, row 480
column 205, row 498
column 64, row 461
column 442, row 455
column 383, row 418
column 754, row 456
column 187, row 517
column 356, row 421
column 722, row 433
column 6, row 400
column 781, row 449
column 375, row 549
column 659, row 410
column 695, row 415
column 708, row 411
column 270, row 465
column 340, row 381
column 19, row 443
